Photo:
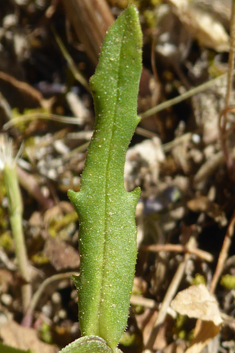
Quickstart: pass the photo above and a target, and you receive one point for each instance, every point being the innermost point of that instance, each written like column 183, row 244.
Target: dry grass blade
column 76, row 73
column 182, row 97
column 90, row 19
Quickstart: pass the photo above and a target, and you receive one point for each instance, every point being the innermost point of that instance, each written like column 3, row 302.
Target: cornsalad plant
column 107, row 233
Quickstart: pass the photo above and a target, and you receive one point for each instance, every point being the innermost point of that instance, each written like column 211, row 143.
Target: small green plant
column 9, row 170
column 107, row 233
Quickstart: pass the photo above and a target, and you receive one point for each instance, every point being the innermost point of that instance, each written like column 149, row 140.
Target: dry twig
column 223, row 253
column 223, row 118
column 58, row 277
column 204, row 255
column 169, row 295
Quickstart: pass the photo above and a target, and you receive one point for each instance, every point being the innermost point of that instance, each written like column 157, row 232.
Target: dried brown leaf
column 207, row 331
column 203, row 204
column 61, row 255
column 24, row 338
column 208, row 30
column 6, row 279
column 197, row 302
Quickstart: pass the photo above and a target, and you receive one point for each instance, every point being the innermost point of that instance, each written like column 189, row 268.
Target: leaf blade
column 106, row 281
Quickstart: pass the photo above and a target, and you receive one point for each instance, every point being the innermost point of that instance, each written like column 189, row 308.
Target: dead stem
column 223, row 118
column 182, row 97
column 41, row 290
column 223, row 253
column 169, row 295
column 223, row 127
column 29, row 183
column 204, row 255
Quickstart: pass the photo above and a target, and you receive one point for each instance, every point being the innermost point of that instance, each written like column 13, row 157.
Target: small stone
column 6, row 299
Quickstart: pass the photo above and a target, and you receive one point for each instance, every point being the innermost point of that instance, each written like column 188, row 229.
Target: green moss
column 182, row 334
column 57, row 225
column 156, row 2
column 30, row 142
column 45, row 332
column 228, row 281
column 198, row 279
column 128, row 339
column 40, row 259
column 6, row 241
column 27, row 116
column 4, row 222
column 2, row 188
column 180, row 321
column 150, row 18
column 138, row 309
column 215, row 70
column 182, row 327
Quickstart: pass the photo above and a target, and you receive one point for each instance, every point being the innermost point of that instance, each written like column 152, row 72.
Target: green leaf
column 7, row 349
column 91, row 344
column 107, row 233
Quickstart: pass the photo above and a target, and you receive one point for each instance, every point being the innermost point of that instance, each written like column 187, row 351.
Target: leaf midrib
column 106, row 177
